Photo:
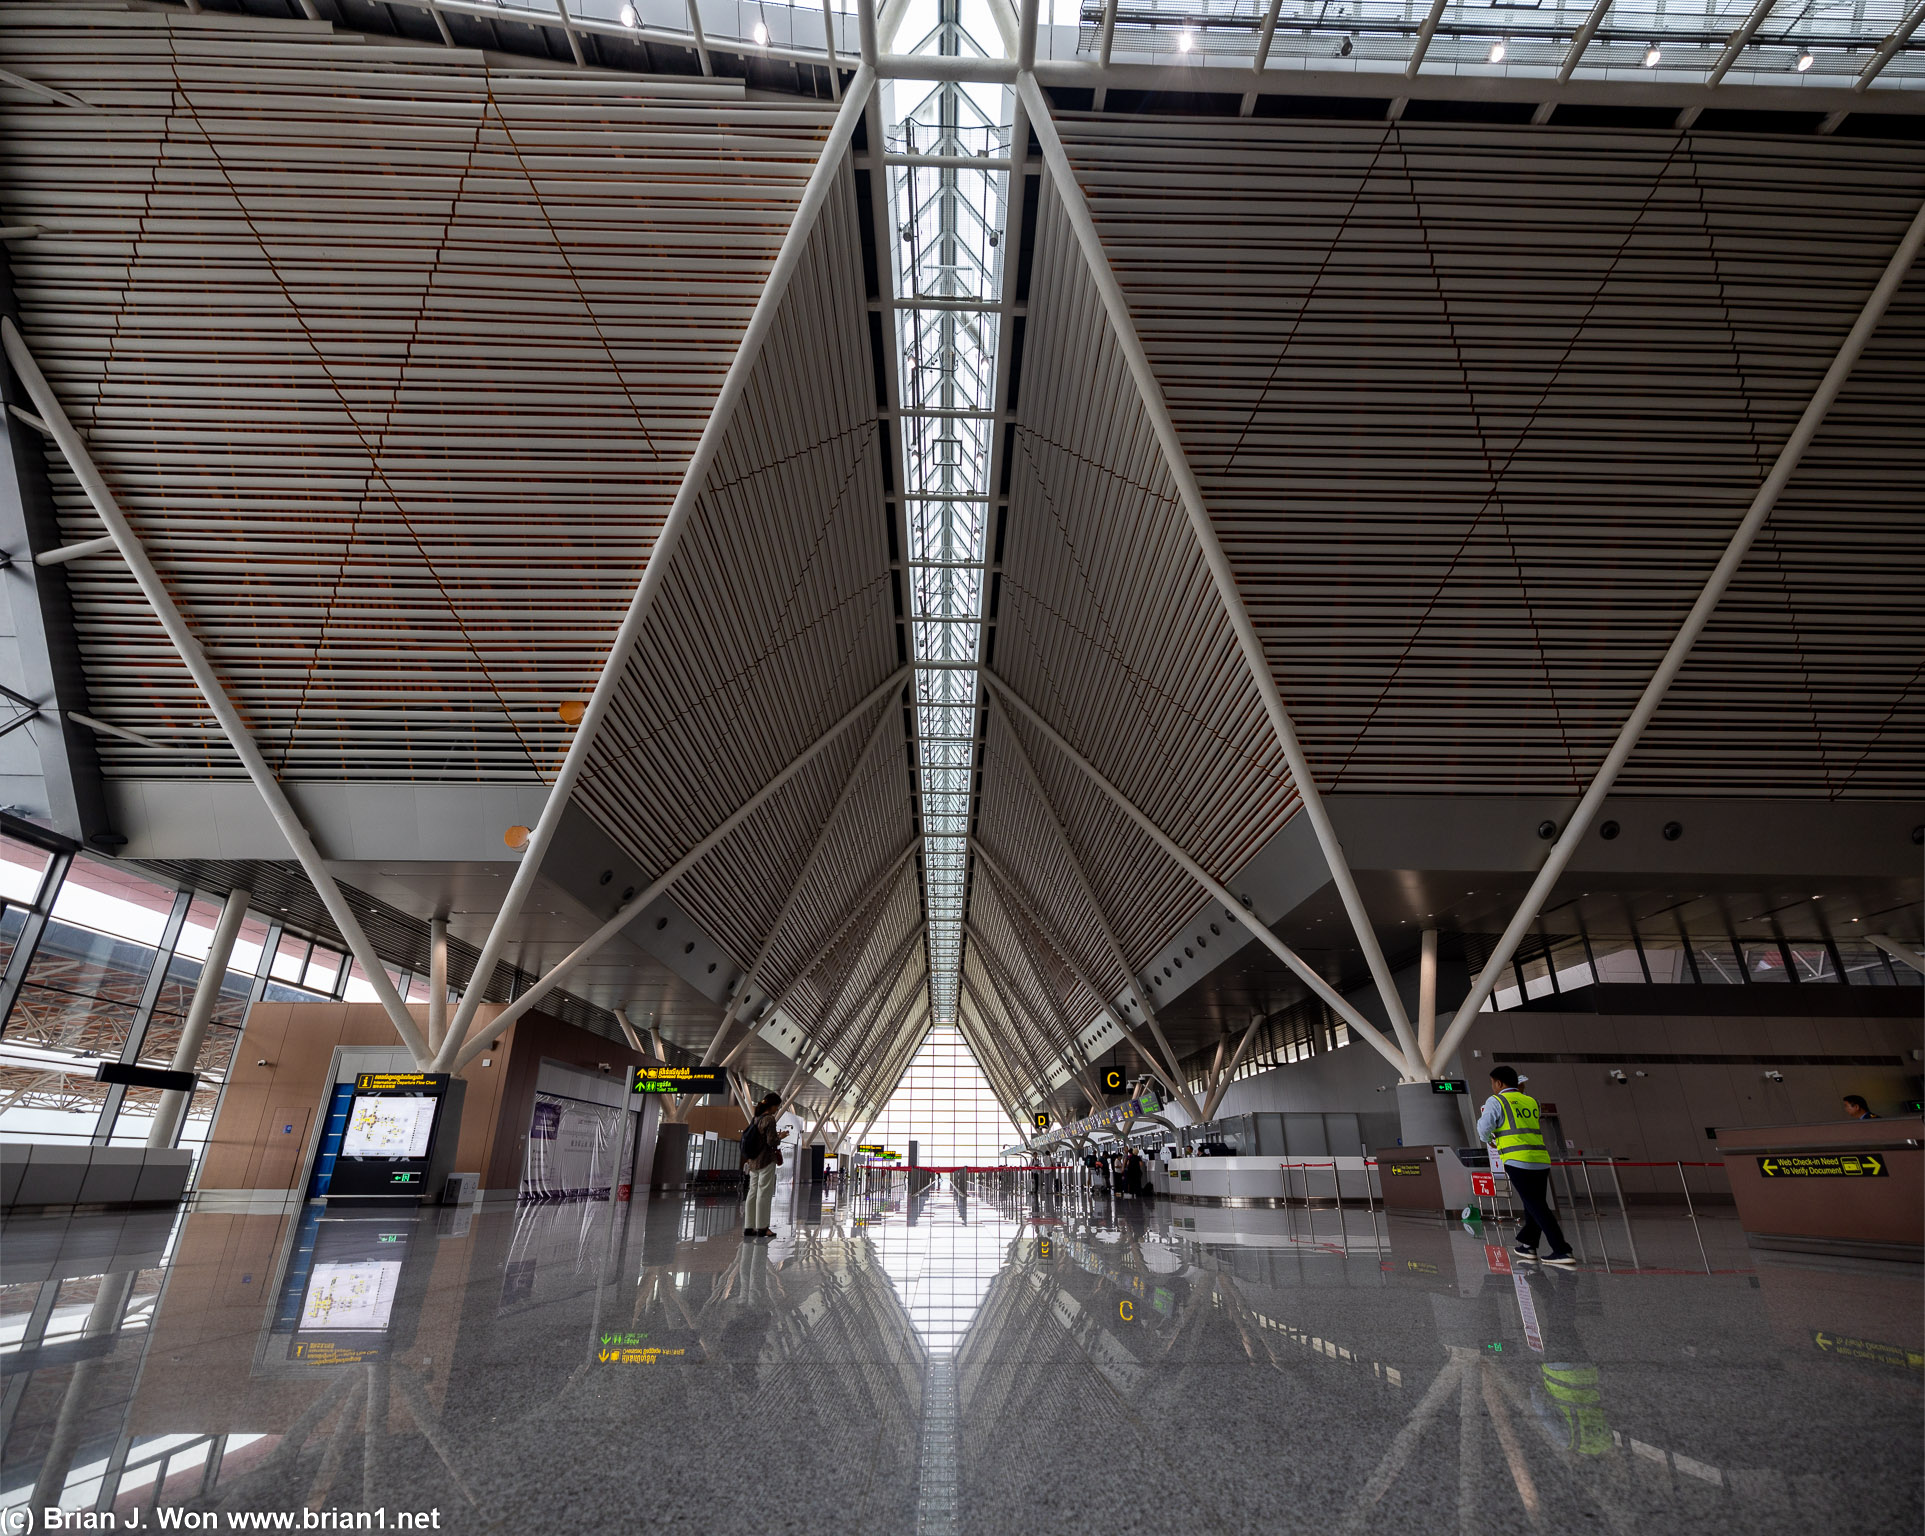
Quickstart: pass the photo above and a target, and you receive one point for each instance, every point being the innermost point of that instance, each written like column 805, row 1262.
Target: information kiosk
column 398, row 1146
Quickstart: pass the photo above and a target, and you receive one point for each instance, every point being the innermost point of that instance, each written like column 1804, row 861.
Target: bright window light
column 1185, row 40
column 1652, row 55
column 1498, row 51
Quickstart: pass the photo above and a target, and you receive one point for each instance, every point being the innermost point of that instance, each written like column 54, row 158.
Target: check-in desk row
column 1266, row 1180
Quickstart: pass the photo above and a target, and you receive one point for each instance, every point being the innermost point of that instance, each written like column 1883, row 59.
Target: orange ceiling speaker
column 571, row 711
column 516, row 837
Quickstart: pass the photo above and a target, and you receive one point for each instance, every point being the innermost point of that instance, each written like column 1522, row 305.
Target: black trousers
column 1533, row 1186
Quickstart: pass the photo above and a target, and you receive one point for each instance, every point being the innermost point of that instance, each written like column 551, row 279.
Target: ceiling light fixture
column 1805, row 60
column 1651, row 56
column 1185, row 40
column 1498, row 51
column 629, row 17
column 761, row 34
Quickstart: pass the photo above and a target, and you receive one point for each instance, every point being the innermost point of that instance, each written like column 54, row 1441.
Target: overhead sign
column 867, row 1149
column 1114, row 1081
column 400, row 1082
column 1145, row 1103
column 1449, row 1085
column 144, row 1077
column 1042, row 1120
column 1807, row 1165
column 680, row 1080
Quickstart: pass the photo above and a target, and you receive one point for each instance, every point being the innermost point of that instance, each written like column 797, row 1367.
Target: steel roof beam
column 1358, row 1024
column 1175, row 1080
column 1782, row 468
column 1069, row 1050
column 751, row 976
column 873, row 899
column 680, row 513
column 1006, row 886
column 632, row 909
column 1222, row 575
column 1264, row 40
column 1034, row 1065
column 212, row 689
column 1733, row 48
column 1580, row 40
column 1887, row 51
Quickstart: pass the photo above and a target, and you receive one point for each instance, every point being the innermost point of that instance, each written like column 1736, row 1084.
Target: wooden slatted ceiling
column 395, row 360
column 775, row 619
column 1107, row 624
column 1475, row 411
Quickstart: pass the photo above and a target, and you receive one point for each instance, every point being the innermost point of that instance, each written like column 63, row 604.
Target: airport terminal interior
column 951, row 767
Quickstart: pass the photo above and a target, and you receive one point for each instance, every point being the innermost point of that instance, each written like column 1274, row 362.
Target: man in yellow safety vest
column 1509, row 1127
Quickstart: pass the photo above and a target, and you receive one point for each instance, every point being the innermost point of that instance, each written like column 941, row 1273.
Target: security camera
column 1618, row 1077
column 1774, row 1077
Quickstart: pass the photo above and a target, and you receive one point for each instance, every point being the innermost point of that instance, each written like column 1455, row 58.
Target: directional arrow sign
column 1823, row 1165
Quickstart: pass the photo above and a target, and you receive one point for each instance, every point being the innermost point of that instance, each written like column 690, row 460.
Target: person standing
column 1509, row 1126
column 761, row 1156
column 1857, row 1109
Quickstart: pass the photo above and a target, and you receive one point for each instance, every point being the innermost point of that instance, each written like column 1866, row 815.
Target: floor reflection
column 977, row 1357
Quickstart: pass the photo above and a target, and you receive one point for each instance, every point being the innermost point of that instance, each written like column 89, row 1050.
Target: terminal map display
column 389, row 1127
column 352, row 1297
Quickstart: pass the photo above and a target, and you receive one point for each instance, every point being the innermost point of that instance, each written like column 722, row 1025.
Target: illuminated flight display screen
column 389, row 1127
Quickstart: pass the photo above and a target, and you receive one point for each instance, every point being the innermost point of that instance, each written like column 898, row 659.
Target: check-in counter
column 1432, row 1178
column 1849, row 1187
column 1269, row 1180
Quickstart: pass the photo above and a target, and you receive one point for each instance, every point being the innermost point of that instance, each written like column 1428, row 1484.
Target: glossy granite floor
column 951, row 1364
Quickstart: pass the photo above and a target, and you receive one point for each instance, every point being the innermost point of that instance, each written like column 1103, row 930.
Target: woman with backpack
column 761, row 1156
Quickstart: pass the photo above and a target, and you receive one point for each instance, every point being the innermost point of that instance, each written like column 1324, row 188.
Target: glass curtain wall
column 99, row 962
column 945, row 1105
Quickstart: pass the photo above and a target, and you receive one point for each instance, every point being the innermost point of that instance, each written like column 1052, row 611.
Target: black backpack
column 754, row 1144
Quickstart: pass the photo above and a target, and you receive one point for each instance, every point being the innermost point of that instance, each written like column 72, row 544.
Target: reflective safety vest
column 1572, row 1389
column 1518, row 1139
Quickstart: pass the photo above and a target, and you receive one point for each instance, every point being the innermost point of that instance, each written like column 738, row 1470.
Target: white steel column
column 1714, row 588
column 200, row 1013
column 1358, row 1024
column 680, row 513
column 1221, row 575
column 1427, row 997
column 447, row 1059
column 437, row 981
column 211, row 688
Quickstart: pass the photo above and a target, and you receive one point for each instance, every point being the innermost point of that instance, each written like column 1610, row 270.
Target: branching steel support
column 633, row 908
column 680, row 513
column 1151, row 1021
column 1714, row 588
column 751, row 978
column 1004, row 884
column 874, row 900
column 1359, row 1026
column 74, row 450
column 1123, row 327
